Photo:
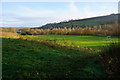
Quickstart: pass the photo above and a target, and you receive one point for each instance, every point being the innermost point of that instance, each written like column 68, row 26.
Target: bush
column 10, row 35
column 111, row 60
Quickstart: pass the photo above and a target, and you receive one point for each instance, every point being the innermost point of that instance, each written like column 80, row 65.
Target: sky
column 34, row 14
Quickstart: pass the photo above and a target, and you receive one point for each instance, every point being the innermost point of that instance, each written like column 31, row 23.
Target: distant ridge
column 94, row 21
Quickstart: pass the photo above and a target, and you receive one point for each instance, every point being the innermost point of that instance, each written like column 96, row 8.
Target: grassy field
column 31, row 59
column 94, row 42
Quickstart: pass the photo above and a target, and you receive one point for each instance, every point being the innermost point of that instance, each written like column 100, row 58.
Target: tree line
column 104, row 30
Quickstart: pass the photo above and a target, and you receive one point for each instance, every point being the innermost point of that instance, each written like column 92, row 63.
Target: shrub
column 111, row 60
column 10, row 35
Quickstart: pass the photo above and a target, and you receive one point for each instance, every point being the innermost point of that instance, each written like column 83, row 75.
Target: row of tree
column 104, row 30
column 9, row 32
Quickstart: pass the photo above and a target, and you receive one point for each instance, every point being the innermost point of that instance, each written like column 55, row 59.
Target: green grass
column 23, row 58
column 94, row 42
column 31, row 59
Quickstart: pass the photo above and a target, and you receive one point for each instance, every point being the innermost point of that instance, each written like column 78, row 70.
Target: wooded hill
column 94, row 21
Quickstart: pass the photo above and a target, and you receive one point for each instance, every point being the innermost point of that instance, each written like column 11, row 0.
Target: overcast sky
column 32, row 14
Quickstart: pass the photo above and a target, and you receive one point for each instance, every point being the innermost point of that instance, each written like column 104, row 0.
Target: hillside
column 94, row 21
